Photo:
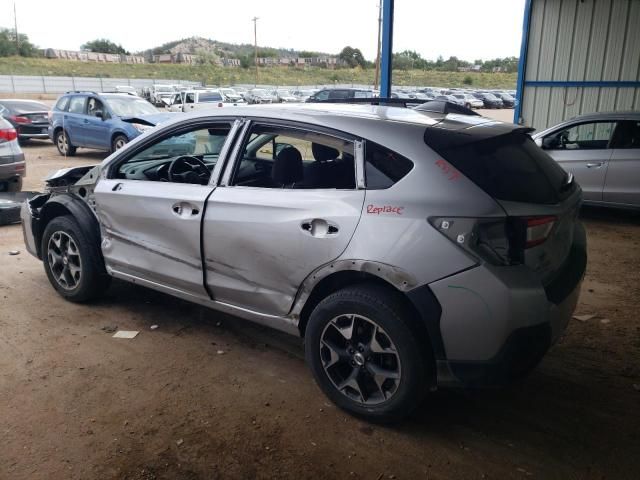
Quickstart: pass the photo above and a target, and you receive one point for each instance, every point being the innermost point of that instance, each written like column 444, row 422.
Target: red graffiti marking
column 384, row 209
column 448, row 170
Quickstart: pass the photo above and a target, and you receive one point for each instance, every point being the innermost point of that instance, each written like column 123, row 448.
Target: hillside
column 199, row 45
column 214, row 75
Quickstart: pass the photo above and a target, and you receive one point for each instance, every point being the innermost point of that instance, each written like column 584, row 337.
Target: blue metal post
column 522, row 62
column 387, row 48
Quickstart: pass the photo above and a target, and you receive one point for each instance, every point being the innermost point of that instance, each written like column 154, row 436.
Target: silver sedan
column 602, row 151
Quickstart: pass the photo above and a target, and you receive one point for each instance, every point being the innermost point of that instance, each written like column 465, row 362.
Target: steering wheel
column 188, row 169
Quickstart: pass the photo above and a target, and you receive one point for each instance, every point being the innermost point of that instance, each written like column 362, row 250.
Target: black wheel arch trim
column 64, row 204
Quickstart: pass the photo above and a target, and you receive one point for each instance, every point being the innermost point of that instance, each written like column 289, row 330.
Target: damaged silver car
column 411, row 250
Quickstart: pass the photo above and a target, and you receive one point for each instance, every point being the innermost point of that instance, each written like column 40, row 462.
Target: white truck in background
column 190, row 100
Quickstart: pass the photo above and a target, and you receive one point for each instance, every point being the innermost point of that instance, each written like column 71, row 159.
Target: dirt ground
column 208, row 396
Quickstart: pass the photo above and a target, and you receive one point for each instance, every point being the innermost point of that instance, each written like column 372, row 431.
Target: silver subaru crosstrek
column 410, row 250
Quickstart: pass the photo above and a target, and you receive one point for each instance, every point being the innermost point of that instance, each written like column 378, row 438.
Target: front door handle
column 116, row 187
column 595, row 165
column 185, row 210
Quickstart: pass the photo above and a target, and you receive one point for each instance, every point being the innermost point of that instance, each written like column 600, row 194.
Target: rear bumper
column 498, row 322
column 12, row 166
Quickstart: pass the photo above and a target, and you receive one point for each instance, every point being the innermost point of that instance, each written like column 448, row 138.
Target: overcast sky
column 469, row 29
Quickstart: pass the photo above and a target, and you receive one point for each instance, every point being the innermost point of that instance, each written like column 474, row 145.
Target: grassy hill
column 214, row 75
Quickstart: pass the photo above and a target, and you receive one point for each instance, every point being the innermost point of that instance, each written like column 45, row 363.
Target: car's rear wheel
column 365, row 355
column 63, row 144
column 72, row 262
column 118, row 142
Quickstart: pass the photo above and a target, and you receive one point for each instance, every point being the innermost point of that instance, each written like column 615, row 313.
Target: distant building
column 87, row 56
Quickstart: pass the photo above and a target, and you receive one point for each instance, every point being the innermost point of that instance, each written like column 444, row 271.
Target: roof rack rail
column 82, row 91
column 124, row 93
column 433, row 106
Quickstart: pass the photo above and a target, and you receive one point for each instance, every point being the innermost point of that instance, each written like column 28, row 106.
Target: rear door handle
column 594, row 165
column 319, row 227
column 116, row 187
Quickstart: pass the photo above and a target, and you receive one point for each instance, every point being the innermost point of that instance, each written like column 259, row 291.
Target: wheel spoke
column 374, row 344
column 336, row 353
column 345, row 329
column 55, row 259
column 352, row 382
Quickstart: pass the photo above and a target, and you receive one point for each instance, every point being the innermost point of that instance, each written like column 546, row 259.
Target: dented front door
column 151, row 230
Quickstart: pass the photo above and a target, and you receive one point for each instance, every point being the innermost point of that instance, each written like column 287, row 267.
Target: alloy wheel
column 63, row 143
column 64, row 260
column 360, row 359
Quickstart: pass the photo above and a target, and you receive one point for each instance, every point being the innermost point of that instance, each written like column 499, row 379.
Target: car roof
column 621, row 115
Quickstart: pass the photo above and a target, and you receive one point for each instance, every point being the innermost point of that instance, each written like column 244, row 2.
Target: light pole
column 15, row 20
column 255, row 39
column 378, row 54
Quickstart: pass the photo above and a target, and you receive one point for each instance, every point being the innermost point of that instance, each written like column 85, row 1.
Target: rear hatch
column 540, row 199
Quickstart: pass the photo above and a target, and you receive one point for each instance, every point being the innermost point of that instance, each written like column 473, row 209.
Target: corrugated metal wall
column 581, row 40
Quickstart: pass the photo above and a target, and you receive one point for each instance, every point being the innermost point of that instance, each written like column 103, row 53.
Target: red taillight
column 8, row 134
column 19, row 119
column 538, row 230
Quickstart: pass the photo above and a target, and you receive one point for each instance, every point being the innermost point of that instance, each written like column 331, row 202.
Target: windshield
column 130, row 106
column 284, row 93
column 210, row 97
column 259, row 92
column 163, row 88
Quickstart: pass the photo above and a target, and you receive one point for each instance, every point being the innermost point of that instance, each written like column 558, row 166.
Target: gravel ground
column 208, row 396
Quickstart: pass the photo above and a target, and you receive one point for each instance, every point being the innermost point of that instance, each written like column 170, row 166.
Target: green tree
column 102, row 45
column 8, row 44
column 353, row 57
column 468, row 80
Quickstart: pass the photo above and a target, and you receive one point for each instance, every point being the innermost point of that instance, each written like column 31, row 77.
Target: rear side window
column 62, row 104
column 384, row 167
column 510, row 167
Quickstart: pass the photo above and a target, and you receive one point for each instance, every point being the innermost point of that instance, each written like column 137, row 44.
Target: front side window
column 280, row 157
column 185, row 157
column 627, row 135
column 585, row 136
column 76, row 104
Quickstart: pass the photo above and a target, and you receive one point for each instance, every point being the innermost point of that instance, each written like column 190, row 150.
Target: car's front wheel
column 364, row 353
column 63, row 144
column 72, row 261
column 118, row 142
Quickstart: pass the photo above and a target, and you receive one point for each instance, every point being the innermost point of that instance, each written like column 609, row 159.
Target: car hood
column 151, row 119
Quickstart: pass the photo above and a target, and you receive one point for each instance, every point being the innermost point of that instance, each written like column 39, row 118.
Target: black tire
column 15, row 185
column 93, row 279
column 118, row 142
column 385, row 310
column 63, row 144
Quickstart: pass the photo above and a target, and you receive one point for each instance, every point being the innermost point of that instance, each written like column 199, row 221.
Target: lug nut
column 360, row 349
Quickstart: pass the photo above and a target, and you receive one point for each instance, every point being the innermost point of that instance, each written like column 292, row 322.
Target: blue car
column 103, row 121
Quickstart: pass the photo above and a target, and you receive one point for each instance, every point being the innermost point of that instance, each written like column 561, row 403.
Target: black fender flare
column 67, row 204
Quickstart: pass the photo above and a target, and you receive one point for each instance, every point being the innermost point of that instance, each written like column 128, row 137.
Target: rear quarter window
column 384, row 167
column 62, row 104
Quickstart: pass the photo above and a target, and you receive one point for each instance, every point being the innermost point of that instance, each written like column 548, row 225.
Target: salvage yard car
column 103, row 121
column 411, row 250
column 602, row 150
column 12, row 164
column 28, row 117
column 198, row 100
